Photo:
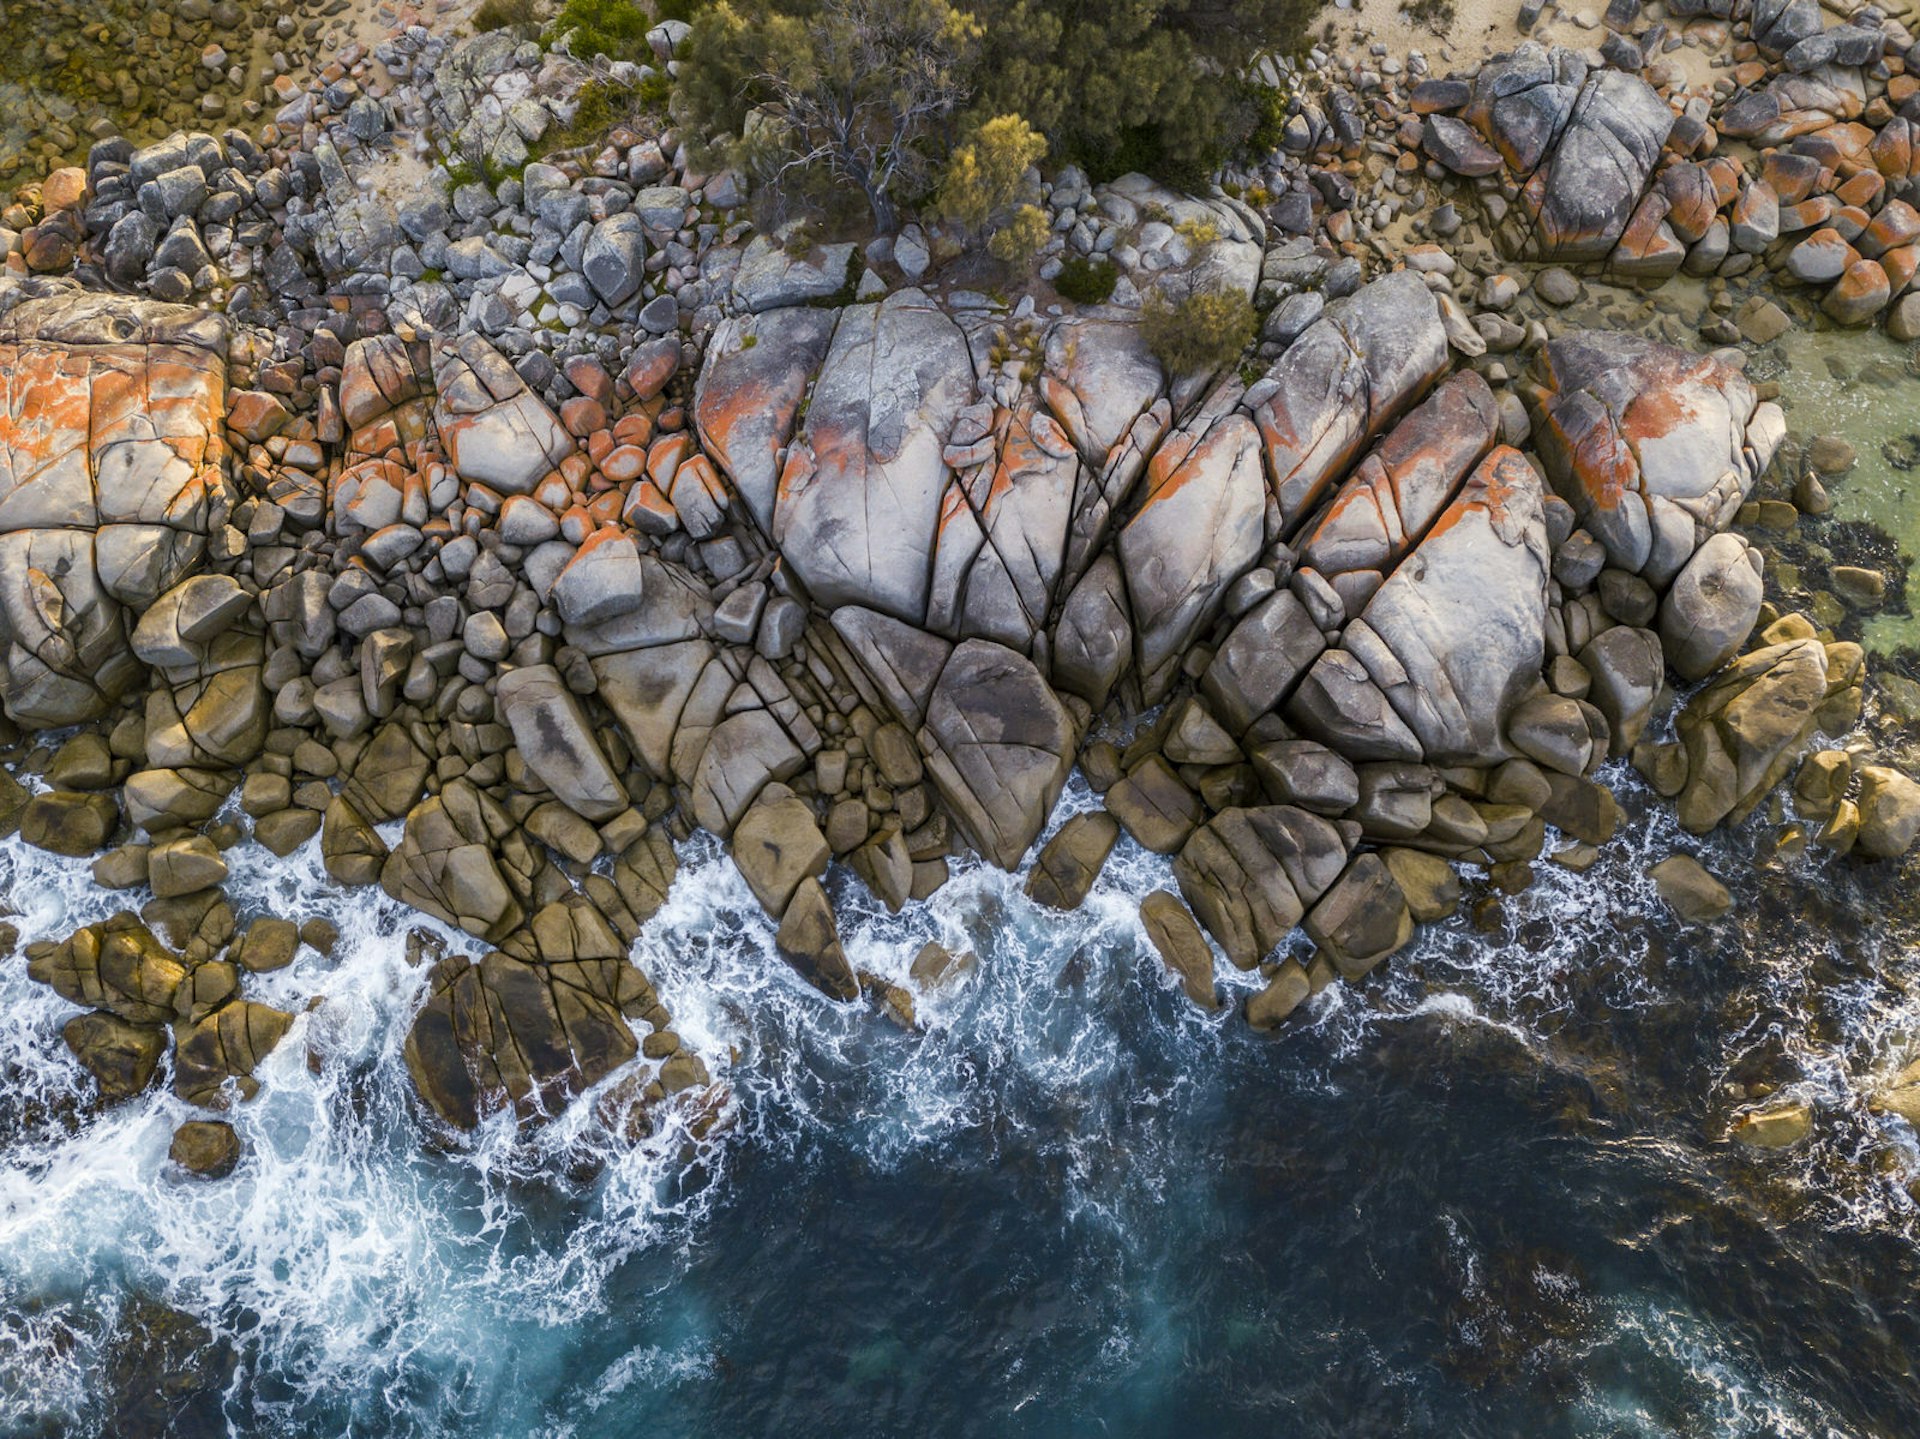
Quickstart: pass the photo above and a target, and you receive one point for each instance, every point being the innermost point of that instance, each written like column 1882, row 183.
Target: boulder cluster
column 1585, row 162
column 502, row 532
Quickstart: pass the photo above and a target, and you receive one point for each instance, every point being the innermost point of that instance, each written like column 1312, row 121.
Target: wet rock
column 120, row 1055
column 226, row 1045
column 998, row 746
column 1181, row 946
column 268, row 944
column 550, row 727
column 1777, row 1126
column 527, row 1031
column 182, row 866
column 450, row 863
column 809, row 940
column 1889, row 804
column 1155, row 806
column 1692, row 893
column 206, row 1147
column 68, row 822
column 1249, row 875
column 1285, row 992
column 166, row 1373
column 117, row 965
column 1431, row 886
column 1746, row 728
column 1070, row 862
column 1362, row 918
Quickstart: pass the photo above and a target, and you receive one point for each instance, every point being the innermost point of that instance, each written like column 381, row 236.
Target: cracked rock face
column 859, row 595
column 112, row 446
column 1654, row 448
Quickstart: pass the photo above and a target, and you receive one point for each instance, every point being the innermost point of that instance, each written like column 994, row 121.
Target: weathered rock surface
column 1654, row 449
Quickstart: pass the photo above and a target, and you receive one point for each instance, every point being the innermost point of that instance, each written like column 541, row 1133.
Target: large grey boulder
column 998, row 746
column 1654, row 448
column 1197, row 529
column 860, row 493
column 1349, row 376
column 770, row 277
column 614, row 259
column 496, row 430
column 554, row 738
column 1383, row 508
column 1712, row 606
column 757, row 371
column 1454, row 637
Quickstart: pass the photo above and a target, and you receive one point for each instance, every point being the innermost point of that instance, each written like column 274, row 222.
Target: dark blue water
column 1489, row 1193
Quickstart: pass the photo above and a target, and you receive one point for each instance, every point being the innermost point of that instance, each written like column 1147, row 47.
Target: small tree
column 1201, row 332
column 853, row 89
column 985, row 173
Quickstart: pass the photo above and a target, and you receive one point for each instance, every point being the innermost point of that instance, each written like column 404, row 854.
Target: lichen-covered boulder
column 1654, row 448
column 112, row 475
column 858, row 501
column 1452, row 640
column 1198, row 527
column 758, row 370
column 1348, row 376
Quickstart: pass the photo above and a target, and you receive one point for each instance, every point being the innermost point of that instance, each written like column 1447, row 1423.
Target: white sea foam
column 361, row 1268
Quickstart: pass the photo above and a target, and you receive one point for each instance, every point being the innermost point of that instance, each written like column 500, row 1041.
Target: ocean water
column 1488, row 1192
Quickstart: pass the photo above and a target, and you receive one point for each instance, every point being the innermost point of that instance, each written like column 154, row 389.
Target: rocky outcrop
column 1654, row 449
column 112, row 479
column 1447, row 646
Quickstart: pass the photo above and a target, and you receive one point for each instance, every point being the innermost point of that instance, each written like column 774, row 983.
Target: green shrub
column 1018, row 243
column 1200, row 333
column 614, row 28
column 598, row 106
column 505, row 15
column 1085, row 281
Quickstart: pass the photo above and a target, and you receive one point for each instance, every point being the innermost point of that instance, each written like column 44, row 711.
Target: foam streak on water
column 1069, row 1202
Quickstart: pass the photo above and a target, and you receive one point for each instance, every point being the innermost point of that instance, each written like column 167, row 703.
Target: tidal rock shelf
column 791, row 543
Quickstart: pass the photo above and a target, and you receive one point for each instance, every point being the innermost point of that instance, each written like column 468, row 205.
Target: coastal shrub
column 505, row 15
column 1111, row 85
column 985, row 173
column 1086, row 281
column 1018, row 243
column 598, row 106
column 857, row 93
column 614, row 28
column 1198, row 233
column 1200, row 332
column 1435, row 15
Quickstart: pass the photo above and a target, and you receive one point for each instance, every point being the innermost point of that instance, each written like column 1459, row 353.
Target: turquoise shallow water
column 1488, row 1194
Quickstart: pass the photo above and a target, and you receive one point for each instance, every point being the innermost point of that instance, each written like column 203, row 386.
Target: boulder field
column 485, row 530
column 1798, row 167
column 862, row 591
